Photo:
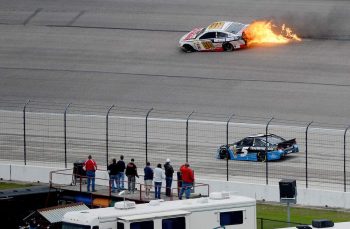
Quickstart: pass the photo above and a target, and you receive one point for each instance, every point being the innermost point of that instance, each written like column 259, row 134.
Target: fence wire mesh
column 56, row 134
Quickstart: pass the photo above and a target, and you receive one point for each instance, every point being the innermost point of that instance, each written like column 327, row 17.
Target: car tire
column 188, row 48
column 223, row 154
column 228, row 47
column 261, row 157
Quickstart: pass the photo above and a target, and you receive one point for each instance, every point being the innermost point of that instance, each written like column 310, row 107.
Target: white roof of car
column 218, row 26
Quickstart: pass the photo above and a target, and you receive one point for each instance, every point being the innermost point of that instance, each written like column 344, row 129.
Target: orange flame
column 260, row 32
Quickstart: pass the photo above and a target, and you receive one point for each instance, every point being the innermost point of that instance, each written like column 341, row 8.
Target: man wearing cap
column 187, row 180
column 169, row 171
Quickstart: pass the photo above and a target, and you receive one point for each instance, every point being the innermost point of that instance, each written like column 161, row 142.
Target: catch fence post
column 24, row 133
column 227, row 154
column 306, row 154
column 65, row 135
column 266, row 150
column 107, row 116
column 188, row 118
column 147, row 133
column 346, row 130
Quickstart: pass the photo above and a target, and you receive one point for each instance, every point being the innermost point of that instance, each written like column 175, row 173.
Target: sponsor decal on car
column 216, row 25
column 192, row 34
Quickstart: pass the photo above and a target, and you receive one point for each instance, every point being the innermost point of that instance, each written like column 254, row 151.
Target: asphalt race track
column 125, row 53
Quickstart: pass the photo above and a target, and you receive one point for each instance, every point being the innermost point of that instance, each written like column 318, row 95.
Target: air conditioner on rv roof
column 219, row 195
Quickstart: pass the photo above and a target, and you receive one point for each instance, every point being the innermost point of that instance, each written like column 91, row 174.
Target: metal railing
column 66, row 179
column 56, row 134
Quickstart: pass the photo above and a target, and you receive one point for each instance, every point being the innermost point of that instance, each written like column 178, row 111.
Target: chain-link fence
column 55, row 134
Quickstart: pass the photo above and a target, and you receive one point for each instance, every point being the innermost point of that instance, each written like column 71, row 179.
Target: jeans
column 131, row 183
column 157, row 188
column 120, row 181
column 112, row 179
column 186, row 187
column 168, row 181
column 90, row 179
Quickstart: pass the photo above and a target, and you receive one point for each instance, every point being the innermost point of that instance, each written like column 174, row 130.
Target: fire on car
column 229, row 36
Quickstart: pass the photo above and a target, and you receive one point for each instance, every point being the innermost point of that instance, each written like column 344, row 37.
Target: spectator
column 158, row 177
column 90, row 168
column 187, row 180
column 148, row 178
column 120, row 174
column 169, row 171
column 131, row 173
column 113, row 171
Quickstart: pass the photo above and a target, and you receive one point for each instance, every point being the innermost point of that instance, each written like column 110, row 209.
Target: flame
column 260, row 32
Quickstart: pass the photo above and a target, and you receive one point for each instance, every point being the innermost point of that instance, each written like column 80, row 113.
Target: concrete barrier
column 305, row 197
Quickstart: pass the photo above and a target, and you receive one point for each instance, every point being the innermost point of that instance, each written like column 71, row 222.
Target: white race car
column 219, row 36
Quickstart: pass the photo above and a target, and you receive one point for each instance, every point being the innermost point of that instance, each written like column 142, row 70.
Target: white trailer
column 219, row 210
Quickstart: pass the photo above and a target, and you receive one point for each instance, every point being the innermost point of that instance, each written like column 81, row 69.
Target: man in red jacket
column 90, row 168
column 187, row 180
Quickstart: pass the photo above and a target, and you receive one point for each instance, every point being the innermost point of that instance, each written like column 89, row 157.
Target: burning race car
column 253, row 148
column 219, row 36
column 229, row 36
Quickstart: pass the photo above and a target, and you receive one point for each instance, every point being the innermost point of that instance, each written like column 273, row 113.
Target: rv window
column 174, row 223
column 231, row 218
column 120, row 225
column 142, row 225
column 74, row 226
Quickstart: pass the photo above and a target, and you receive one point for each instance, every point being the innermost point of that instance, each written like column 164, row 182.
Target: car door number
column 204, row 45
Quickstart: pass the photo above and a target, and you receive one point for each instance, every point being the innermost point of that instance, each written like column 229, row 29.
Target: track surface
column 125, row 53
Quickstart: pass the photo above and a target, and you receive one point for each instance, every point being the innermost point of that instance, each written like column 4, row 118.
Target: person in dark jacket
column 131, row 173
column 169, row 171
column 113, row 171
column 148, row 178
column 120, row 174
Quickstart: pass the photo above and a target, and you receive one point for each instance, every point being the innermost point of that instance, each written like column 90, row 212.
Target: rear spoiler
column 287, row 144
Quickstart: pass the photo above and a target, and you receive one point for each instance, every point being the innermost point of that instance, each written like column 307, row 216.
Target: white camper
column 219, row 210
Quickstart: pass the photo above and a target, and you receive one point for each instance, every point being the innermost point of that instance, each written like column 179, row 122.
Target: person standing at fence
column 148, row 178
column 131, row 173
column 169, row 171
column 187, row 180
column 90, row 168
column 158, row 177
column 120, row 174
column 113, row 171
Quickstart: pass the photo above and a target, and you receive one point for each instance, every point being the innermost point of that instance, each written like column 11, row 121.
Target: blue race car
column 253, row 148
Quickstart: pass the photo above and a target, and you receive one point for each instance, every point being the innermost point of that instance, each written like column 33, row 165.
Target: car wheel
column 261, row 157
column 223, row 153
column 228, row 47
column 188, row 48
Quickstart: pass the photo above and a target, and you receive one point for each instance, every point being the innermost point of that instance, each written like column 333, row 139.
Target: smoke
column 332, row 25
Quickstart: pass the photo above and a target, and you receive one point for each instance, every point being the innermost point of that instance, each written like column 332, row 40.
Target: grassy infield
column 269, row 211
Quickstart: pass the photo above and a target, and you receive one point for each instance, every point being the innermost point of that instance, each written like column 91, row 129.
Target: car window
column 259, row 143
column 274, row 140
column 235, row 27
column 247, row 142
column 208, row 35
column 239, row 143
column 221, row 35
